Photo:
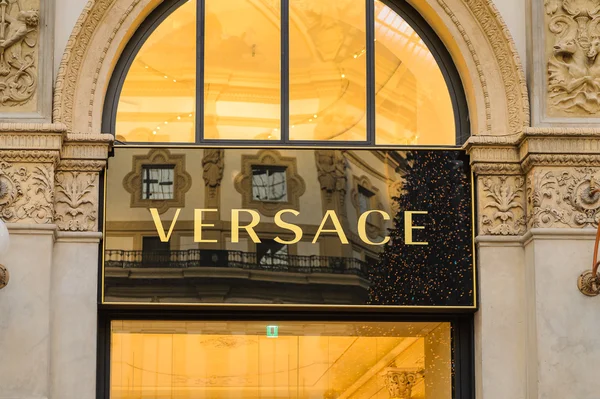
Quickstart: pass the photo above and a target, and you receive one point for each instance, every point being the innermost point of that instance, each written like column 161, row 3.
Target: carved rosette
column 502, row 205
column 573, row 49
column 400, row 382
column 26, row 193
column 559, row 197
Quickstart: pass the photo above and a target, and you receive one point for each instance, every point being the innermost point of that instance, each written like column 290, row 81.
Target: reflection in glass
column 214, row 360
column 157, row 182
column 413, row 104
column 158, row 97
column 328, row 70
column 242, row 77
column 203, row 262
column 269, row 184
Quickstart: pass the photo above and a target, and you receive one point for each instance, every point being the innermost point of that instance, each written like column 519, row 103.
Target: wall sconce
column 589, row 281
column 4, row 244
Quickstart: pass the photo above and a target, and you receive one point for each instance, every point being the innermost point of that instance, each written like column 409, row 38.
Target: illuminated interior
column 327, row 77
column 251, row 360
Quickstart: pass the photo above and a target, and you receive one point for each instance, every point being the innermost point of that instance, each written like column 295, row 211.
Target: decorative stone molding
column 559, row 197
column 475, row 31
column 76, row 202
column 26, row 192
column 502, row 205
column 213, row 164
column 295, row 183
column 400, row 382
column 181, row 184
column 19, row 34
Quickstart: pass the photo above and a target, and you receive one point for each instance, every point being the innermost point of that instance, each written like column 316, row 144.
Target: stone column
column 75, row 266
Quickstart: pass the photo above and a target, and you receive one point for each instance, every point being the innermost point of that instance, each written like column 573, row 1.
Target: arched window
column 360, row 72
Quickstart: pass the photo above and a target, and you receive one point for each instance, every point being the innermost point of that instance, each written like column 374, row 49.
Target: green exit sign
column 272, row 331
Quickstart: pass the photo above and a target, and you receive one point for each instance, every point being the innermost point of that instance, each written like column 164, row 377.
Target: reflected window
column 196, row 359
column 344, row 78
column 364, row 199
column 270, row 252
column 269, row 183
column 157, row 182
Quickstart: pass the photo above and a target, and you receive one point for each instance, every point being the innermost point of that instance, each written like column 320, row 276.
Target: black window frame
column 269, row 169
column 462, row 334
column 146, row 183
column 401, row 7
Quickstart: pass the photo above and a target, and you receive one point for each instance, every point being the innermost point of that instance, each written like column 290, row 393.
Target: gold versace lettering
column 235, row 225
column 408, row 227
column 337, row 227
column 159, row 227
column 198, row 225
column 362, row 227
column 288, row 226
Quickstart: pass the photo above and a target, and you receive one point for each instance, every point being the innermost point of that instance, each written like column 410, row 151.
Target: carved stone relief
column 76, row 203
column 294, row 182
column 502, row 205
column 26, row 193
column 19, row 32
column 559, row 197
column 573, row 45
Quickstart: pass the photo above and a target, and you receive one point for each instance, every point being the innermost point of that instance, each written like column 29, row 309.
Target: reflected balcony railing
column 194, row 258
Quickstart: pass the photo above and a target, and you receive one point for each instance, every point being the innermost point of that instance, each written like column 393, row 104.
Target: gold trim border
column 221, row 306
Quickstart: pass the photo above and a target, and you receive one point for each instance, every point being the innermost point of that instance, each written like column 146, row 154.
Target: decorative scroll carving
column 502, row 207
column 331, row 167
column 400, row 382
column 77, row 201
column 295, row 183
column 181, row 185
column 562, row 198
column 213, row 164
column 574, row 65
column 26, row 193
column 18, row 53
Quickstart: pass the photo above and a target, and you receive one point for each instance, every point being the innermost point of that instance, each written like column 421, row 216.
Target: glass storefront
column 287, row 210
column 252, row 360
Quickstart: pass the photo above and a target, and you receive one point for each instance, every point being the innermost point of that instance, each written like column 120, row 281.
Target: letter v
column 159, row 227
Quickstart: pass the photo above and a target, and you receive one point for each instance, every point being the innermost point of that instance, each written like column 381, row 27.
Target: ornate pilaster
column 50, row 177
column 542, row 178
column 400, row 382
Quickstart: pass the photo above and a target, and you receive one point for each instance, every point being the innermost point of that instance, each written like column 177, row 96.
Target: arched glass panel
column 296, row 71
column 413, row 103
column 158, row 97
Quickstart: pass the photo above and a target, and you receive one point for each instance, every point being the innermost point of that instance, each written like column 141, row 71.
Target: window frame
column 146, row 183
column 270, row 169
column 401, row 7
column 462, row 325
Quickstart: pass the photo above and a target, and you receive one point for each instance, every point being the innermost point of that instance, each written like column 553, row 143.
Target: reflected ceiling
column 327, row 77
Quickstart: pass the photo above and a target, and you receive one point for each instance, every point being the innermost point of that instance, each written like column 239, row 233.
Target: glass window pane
column 413, row 104
column 158, row 98
column 252, row 360
column 328, row 70
column 242, row 78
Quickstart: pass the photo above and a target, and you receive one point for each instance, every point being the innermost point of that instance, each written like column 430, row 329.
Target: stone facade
column 536, row 208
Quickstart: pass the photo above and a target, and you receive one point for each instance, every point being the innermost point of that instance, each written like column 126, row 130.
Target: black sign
column 289, row 227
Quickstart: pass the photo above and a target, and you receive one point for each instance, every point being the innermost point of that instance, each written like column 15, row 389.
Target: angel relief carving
column 18, row 38
column 574, row 66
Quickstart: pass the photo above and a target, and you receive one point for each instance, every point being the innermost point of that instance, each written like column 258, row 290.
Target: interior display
column 253, row 360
